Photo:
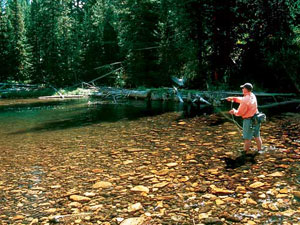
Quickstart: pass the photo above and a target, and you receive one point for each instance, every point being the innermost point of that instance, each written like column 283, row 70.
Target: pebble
column 102, row 184
column 75, row 205
column 78, row 198
column 257, row 185
column 135, row 207
column 140, row 188
column 18, row 217
column 213, row 220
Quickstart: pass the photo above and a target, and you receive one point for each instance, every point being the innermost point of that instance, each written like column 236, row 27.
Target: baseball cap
column 248, row 86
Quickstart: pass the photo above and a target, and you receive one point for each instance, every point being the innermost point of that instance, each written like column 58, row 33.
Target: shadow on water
column 70, row 114
column 36, row 116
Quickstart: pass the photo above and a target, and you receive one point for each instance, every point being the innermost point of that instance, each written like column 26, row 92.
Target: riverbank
column 150, row 94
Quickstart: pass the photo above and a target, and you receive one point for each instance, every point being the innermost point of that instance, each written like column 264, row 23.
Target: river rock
column 276, row 174
column 135, row 207
column 79, row 198
column 256, row 185
column 273, row 207
column 75, row 205
column 219, row 202
column 160, row 185
column 213, row 220
column 135, row 221
column 18, row 217
column 250, row 222
column 250, row 201
column 135, row 150
column 102, row 184
column 216, row 190
column 288, row 213
column 140, row 188
column 284, row 191
column 170, row 165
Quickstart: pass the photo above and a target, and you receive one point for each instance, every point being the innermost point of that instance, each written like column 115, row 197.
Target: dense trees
column 143, row 43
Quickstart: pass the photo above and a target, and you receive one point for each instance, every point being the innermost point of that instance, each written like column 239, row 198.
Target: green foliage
column 4, row 49
column 213, row 44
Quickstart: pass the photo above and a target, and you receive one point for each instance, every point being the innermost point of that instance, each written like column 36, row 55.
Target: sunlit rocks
column 135, row 150
column 97, row 170
column 127, row 162
column 273, row 207
column 170, row 165
column 140, row 188
column 276, row 174
column 219, row 202
column 75, row 205
column 102, row 184
column 215, row 190
column 55, row 186
column 79, row 198
column 143, row 220
column 89, row 194
column 18, row 217
column 162, row 172
column 203, row 216
column 257, row 184
column 160, row 185
column 135, row 207
column 250, row 201
column 288, row 212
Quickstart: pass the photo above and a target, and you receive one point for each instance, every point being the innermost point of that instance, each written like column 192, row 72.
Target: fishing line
column 239, row 128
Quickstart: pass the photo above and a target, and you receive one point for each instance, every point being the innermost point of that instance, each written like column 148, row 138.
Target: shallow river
column 50, row 150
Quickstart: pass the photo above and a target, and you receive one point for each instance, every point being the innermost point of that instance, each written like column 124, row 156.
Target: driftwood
column 59, row 97
column 174, row 94
column 19, row 85
column 294, row 101
column 60, row 94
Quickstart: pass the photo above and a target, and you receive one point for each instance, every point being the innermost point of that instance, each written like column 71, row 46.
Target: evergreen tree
column 4, row 42
column 19, row 53
column 49, row 42
column 137, row 23
column 33, row 34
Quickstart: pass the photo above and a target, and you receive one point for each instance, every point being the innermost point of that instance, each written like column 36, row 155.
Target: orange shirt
column 247, row 107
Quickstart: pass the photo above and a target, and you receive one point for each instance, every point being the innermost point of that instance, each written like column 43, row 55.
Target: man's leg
column 258, row 143
column 247, row 143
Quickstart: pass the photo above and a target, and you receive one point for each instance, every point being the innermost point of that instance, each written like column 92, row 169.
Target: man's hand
column 230, row 99
column 233, row 111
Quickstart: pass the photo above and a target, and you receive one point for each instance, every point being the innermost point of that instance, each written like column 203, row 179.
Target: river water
column 49, row 149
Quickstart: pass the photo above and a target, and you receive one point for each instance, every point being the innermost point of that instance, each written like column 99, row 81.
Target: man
column 247, row 109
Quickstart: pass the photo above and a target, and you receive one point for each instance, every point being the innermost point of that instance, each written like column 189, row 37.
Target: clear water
column 29, row 116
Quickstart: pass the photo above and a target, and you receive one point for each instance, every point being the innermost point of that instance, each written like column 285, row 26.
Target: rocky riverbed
column 153, row 170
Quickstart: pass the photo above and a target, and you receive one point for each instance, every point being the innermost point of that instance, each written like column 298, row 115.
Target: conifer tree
column 19, row 53
column 4, row 42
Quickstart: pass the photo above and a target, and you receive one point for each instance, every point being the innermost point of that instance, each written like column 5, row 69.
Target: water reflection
column 35, row 117
column 32, row 115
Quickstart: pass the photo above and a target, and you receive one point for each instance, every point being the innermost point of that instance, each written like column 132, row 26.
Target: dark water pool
column 22, row 116
column 33, row 115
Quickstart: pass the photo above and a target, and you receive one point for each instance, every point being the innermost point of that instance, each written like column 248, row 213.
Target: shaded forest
column 133, row 43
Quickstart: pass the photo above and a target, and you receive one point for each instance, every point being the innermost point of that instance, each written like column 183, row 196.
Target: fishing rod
column 232, row 117
column 181, row 81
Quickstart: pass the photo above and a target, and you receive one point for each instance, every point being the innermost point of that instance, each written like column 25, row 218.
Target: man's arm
column 242, row 109
column 235, row 99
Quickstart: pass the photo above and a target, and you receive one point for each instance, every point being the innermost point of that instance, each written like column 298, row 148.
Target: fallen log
column 139, row 94
column 20, row 85
column 295, row 101
column 59, row 97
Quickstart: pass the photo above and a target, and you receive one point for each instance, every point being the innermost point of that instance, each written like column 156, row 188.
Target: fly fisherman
column 247, row 109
